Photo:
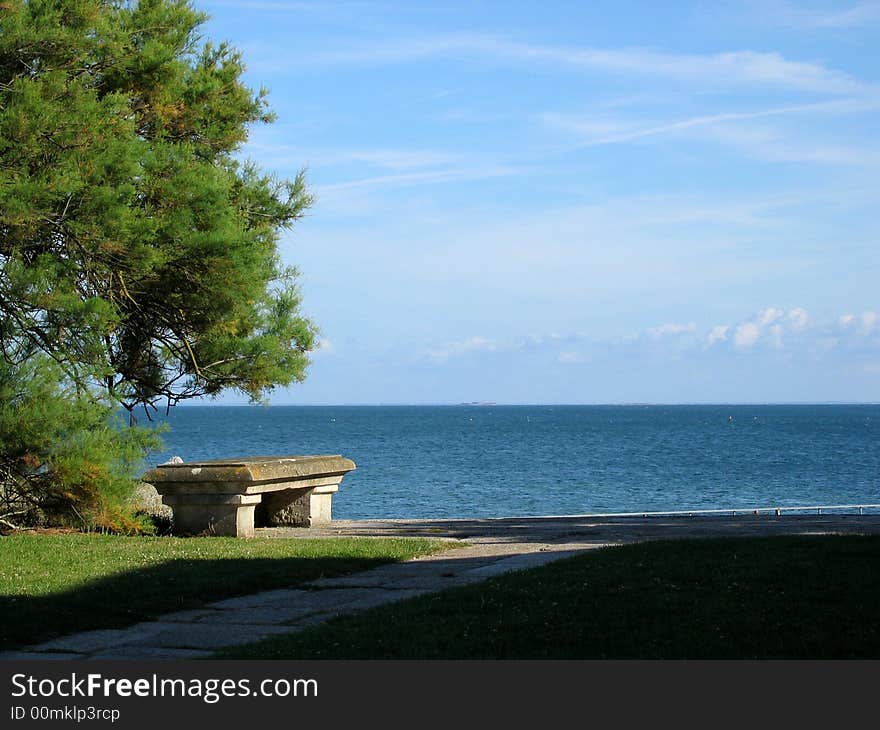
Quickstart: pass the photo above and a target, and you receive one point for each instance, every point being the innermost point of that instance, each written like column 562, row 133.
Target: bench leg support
column 230, row 516
column 297, row 507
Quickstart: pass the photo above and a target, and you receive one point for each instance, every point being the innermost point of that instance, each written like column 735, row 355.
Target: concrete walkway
column 494, row 547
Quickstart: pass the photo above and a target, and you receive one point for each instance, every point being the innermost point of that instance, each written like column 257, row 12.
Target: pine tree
column 138, row 252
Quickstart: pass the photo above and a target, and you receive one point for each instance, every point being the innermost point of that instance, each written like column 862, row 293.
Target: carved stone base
column 296, row 507
column 225, row 515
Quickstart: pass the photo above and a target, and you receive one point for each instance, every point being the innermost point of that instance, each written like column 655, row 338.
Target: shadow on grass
column 127, row 598
column 791, row 597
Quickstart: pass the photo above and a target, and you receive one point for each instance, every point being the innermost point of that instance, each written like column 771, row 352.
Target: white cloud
column 770, row 325
column 463, row 347
column 718, row 334
column 771, row 328
column 769, row 316
column 862, row 325
column 798, row 319
column 323, row 347
column 747, row 335
column 570, row 358
column 671, row 328
column 795, row 327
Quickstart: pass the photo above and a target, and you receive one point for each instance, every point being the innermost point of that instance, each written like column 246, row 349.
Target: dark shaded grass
column 52, row 585
column 775, row 597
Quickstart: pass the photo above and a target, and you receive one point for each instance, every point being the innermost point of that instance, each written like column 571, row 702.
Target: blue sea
column 494, row 461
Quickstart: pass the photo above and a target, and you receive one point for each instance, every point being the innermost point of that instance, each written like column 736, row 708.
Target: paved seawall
column 594, row 530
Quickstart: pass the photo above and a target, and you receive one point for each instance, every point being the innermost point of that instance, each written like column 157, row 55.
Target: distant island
column 479, row 403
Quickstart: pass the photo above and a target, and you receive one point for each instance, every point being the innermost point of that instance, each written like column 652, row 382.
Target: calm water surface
column 491, row 461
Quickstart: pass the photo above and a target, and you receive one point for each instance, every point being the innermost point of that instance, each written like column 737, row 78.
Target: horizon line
column 491, row 404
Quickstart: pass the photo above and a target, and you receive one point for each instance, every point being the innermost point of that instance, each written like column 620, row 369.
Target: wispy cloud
column 428, row 177
column 615, row 249
column 793, row 145
column 397, row 159
column 614, row 137
column 800, row 15
column 720, row 69
column 460, row 115
column 599, row 132
column 348, row 175
column 343, row 10
column 388, row 158
column 261, row 5
column 742, row 131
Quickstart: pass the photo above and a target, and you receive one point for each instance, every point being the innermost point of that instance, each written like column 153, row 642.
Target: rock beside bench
column 230, row 496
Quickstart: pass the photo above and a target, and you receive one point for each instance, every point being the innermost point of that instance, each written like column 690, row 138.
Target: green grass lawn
column 777, row 597
column 52, row 585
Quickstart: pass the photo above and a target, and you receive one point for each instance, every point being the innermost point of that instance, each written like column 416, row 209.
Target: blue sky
column 572, row 202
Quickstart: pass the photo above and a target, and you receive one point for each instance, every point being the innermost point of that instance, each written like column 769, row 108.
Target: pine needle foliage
column 139, row 261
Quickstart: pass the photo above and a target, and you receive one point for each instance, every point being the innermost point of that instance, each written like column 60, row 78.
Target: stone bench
column 231, row 496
